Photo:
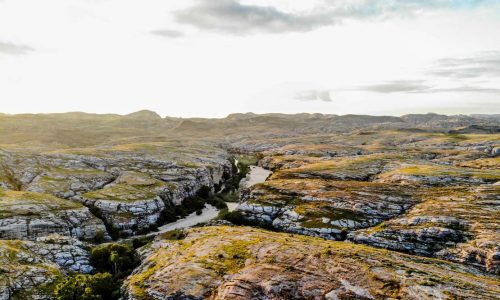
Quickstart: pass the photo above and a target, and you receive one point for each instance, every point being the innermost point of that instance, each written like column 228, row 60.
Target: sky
column 210, row 58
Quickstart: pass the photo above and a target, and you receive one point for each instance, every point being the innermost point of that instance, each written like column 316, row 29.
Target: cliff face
column 24, row 271
column 429, row 194
column 52, row 204
column 27, row 215
column 136, row 200
column 422, row 186
column 454, row 224
column 126, row 186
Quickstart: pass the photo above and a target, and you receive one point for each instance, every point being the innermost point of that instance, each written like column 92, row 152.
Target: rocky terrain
column 434, row 195
column 29, row 269
column 454, row 224
column 28, row 215
column 411, row 201
column 325, row 208
column 221, row 262
column 127, row 186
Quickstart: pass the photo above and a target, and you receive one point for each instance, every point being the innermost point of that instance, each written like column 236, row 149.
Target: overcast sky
column 214, row 57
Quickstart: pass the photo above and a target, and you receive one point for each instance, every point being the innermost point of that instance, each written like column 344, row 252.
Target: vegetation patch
column 117, row 259
column 18, row 203
column 173, row 235
column 447, row 171
column 126, row 192
column 98, row 286
column 230, row 257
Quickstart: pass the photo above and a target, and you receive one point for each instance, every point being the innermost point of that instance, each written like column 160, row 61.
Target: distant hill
column 477, row 129
column 77, row 129
column 143, row 115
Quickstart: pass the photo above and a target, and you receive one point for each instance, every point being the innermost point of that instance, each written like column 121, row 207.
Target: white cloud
column 101, row 56
column 235, row 17
column 14, row 49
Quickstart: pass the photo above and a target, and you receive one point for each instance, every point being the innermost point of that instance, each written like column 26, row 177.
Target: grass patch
column 17, row 203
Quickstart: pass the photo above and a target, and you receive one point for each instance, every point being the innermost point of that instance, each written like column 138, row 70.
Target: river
column 208, row 213
column 256, row 175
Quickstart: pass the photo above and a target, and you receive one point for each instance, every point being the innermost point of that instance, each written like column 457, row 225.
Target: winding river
column 256, row 175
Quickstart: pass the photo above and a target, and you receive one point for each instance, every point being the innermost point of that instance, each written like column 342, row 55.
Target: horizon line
column 240, row 113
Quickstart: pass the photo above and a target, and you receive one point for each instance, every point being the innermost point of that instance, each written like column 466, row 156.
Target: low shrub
column 235, row 217
column 168, row 215
column 100, row 286
column 193, row 203
column 174, row 235
column 99, row 237
column 217, row 202
column 116, row 259
column 141, row 241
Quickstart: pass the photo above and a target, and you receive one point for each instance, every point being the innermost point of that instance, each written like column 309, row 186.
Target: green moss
column 427, row 283
column 249, row 160
column 173, row 235
column 171, row 186
column 230, row 257
column 7, row 175
column 137, row 282
column 190, row 165
column 69, row 172
column 377, row 228
column 316, row 223
column 17, row 203
column 456, row 137
column 126, row 192
column 449, row 171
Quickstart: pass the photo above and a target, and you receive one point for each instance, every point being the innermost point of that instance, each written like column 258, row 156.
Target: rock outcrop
column 329, row 209
column 28, row 216
column 454, row 224
column 25, row 274
column 131, row 203
column 127, row 186
column 426, row 185
column 220, row 262
column 68, row 253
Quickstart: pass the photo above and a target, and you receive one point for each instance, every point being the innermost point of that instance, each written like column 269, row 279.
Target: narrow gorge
column 377, row 210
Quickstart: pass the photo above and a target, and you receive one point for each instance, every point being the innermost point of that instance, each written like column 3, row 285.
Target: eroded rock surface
column 325, row 208
column 422, row 184
column 433, row 195
column 220, row 262
column 127, row 186
column 28, row 215
column 455, row 224
column 25, row 274
column 68, row 253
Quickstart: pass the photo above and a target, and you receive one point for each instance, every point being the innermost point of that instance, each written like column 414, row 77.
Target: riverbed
column 256, row 175
column 208, row 213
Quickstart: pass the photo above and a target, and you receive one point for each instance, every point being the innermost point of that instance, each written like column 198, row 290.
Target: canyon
column 273, row 206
